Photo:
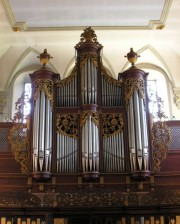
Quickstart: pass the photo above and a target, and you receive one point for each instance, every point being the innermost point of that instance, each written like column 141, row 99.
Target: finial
column 44, row 57
column 88, row 36
column 132, row 56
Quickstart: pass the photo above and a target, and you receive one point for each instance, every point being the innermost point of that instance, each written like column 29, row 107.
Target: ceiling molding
column 18, row 26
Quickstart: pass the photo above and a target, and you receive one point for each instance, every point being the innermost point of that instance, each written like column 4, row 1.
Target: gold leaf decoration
column 85, row 114
column 67, row 125
column 161, row 137
column 112, row 124
column 44, row 85
column 91, row 56
column 19, row 136
column 19, row 141
column 131, row 85
column 88, row 36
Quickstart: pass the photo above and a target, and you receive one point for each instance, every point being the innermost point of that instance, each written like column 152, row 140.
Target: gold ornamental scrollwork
column 19, row 136
column 110, row 79
column 67, row 125
column 84, row 116
column 131, row 85
column 84, row 57
column 19, row 200
column 88, row 36
column 44, row 85
column 19, row 141
column 161, row 137
column 68, row 79
column 112, row 124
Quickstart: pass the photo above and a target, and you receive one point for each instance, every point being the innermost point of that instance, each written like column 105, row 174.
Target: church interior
column 89, row 112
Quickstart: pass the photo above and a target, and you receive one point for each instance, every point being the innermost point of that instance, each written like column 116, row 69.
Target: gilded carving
column 112, row 124
column 160, row 143
column 88, row 36
column 85, row 114
column 67, row 125
column 91, row 198
column 44, row 85
column 132, row 84
column 19, row 137
column 110, row 79
column 161, row 137
column 68, row 79
column 158, row 197
column 19, row 141
column 86, row 56
column 18, row 199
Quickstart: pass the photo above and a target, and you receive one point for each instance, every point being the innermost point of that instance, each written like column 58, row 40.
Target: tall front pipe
column 89, row 67
column 41, row 120
column 134, row 81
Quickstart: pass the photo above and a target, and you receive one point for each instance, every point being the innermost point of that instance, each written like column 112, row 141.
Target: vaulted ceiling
column 151, row 27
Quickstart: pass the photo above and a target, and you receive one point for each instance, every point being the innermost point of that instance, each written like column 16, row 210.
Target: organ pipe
column 66, row 129
column 89, row 66
column 88, row 80
column 135, row 102
column 66, row 154
column 90, row 146
column 67, row 91
column 42, row 119
column 114, row 153
column 137, row 131
column 42, row 133
column 111, row 90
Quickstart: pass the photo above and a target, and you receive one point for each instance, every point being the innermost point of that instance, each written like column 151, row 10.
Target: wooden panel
column 171, row 163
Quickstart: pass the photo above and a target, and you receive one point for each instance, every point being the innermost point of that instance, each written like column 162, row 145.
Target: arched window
column 158, row 87
column 26, row 96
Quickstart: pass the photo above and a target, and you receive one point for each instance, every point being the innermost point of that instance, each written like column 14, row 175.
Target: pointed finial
column 44, row 57
column 132, row 56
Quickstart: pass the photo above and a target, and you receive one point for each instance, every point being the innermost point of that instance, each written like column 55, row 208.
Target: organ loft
column 91, row 147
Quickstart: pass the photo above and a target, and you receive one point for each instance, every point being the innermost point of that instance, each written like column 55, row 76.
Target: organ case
column 90, row 123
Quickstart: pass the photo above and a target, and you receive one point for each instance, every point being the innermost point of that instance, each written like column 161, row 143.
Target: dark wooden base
column 41, row 176
column 140, row 175
column 91, row 176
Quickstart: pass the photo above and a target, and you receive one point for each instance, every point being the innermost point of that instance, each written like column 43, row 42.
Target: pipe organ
column 42, row 116
column 89, row 122
column 135, row 105
column 111, row 91
column 89, row 74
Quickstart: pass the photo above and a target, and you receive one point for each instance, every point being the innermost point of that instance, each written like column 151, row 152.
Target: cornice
column 18, row 26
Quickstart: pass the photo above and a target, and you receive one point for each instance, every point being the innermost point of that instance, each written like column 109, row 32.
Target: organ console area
column 92, row 153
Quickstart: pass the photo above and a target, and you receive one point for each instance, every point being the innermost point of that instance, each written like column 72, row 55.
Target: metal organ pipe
column 114, row 153
column 135, row 98
column 66, row 153
column 41, row 129
column 144, row 133
column 89, row 82
column 36, row 135
column 42, row 134
column 137, row 127
column 90, row 146
column 67, row 91
column 111, row 91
